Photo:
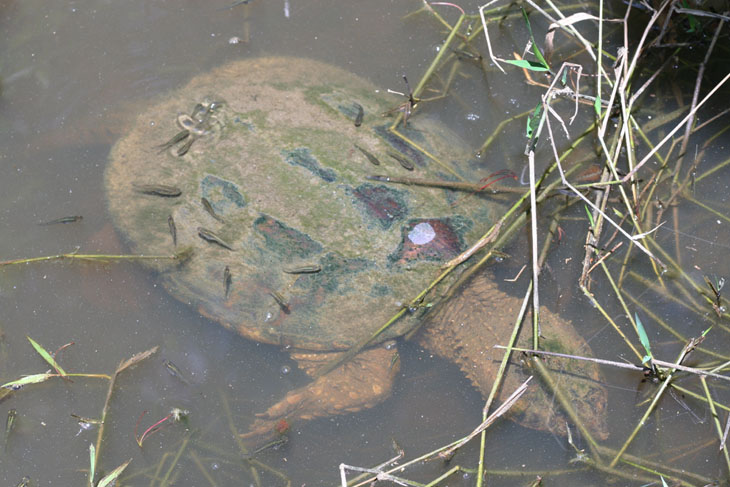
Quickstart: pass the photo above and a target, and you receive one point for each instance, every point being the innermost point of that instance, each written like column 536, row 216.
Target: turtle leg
column 363, row 382
column 465, row 329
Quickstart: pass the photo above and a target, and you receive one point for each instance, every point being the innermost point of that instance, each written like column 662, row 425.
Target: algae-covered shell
column 279, row 165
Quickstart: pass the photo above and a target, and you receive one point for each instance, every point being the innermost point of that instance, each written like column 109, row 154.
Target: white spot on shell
column 422, row 234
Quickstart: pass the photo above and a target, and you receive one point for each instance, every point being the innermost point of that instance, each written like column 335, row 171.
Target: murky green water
column 75, row 73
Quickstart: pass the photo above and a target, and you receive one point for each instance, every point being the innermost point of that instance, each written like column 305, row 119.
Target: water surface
column 75, row 73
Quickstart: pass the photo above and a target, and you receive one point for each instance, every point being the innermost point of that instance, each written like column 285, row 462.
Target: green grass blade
column 533, row 120
column 113, row 475
column 590, row 217
column 694, row 24
column 524, row 63
column 28, row 379
column 644, row 339
column 597, row 105
column 535, row 49
column 46, row 356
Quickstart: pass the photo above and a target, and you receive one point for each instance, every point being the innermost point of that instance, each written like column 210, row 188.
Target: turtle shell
column 318, row 256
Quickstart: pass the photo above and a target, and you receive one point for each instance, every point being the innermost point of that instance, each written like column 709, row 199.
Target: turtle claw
column 362, row 383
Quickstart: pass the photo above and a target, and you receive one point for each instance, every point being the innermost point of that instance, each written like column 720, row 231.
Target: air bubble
column 422, row 233
column 285, row 369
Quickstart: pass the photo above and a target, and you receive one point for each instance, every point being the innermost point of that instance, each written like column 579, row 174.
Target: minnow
column 280, row 301
column 65, row 219
column 206, row 234
column 173, row 229
column 374, row 160
column 272, row 445
column 405, row 162
column 209, row 208
column 185, row 147
column 184, row 254
column 89, row 421
column 10, row 424
column 163, row 190
column 227, row 279
column 397, row 449
column 235, row 4
column 175, row 371
column 360, row 114
column 378, row 177
column 178, row 137
column 305, row 269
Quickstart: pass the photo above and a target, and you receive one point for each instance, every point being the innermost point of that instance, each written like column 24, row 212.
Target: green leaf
column 113, row 475
column 644, row 338
column 694, row 24
column 597, row 105
column 590, row 216
column 28, row 379
column 531, row 65
column 535, row 49
column 92, row 462
column 533, row 120
column 46, row 356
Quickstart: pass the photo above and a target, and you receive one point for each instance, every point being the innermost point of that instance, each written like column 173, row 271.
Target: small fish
column 163, row 190
column 235, row 4
column 175, row 371
column 463, row 54
column 209, row 208
column 85, row 424
column 394, row 360
column 280, row 301
column 360, row 114
column 404, row 161
column 178, row 137
column 82, row 419
column 65, row 219
column 186, row 147
column 305, row 269
column 272, row 445
column 227, row 280
column 378, row 177
column 173, row 229
column 206, row 234
column 10, row 424
column 184, row 254
column 397, row 449
column 24, row 482
column 373, row 160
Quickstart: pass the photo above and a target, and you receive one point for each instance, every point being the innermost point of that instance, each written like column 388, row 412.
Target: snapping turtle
column 260, row 167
